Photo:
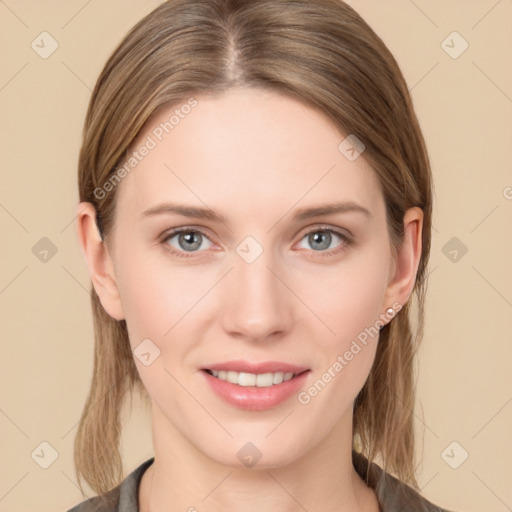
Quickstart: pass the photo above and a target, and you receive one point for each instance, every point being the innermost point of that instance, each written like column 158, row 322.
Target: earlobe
column 98, row 260
column 407, row 260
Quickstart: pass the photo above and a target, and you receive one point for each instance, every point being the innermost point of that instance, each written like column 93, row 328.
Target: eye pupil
column 191, row 237
column 317, row 237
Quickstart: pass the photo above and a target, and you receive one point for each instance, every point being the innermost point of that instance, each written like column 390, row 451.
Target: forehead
column 247, row 149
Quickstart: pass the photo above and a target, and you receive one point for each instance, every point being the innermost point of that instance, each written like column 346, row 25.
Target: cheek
column 157, row 301
column 149, row 294
column 349, row 303
column 349, row 299
column 160, row 297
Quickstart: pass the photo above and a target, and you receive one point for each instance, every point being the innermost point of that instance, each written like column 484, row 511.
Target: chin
column 260, row 453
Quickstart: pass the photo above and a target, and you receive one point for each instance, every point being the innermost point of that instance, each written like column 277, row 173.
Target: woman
column 255, row 213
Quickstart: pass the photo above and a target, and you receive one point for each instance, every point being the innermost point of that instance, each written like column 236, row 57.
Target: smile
column 261, row 380
column 255, row 391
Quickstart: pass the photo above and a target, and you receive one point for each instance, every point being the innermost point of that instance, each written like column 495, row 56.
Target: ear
column 98, row 260
column 405, row 264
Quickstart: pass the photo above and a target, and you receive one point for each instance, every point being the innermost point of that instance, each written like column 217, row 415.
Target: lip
column 263, row 367
column 255, row 398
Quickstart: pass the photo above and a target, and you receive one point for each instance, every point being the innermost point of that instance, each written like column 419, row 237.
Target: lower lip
column 254, row 398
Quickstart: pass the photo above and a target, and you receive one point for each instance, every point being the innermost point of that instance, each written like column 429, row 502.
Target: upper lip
column 257, row 368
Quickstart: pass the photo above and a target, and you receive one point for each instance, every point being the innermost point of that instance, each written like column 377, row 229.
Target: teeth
column 261, row 380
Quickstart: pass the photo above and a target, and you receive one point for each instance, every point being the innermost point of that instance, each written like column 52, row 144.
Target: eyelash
column 331, row 252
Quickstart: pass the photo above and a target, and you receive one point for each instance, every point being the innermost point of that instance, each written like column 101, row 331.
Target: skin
column 256, row 157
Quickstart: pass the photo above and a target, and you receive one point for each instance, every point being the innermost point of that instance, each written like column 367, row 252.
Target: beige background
column 465, row 108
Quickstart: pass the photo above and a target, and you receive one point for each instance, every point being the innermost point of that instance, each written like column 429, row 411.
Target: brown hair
column 321, row 53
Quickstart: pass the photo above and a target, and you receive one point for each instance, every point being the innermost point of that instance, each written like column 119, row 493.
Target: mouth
column 260, row 389
column 260, row 380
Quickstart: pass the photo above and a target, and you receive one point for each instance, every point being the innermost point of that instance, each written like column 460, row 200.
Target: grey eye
column 187, row 240
column 320, row 240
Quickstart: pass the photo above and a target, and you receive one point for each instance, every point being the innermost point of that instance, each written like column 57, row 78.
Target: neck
column 183, row 478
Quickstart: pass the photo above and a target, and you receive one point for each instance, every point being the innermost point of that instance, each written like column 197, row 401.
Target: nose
column 257, row 303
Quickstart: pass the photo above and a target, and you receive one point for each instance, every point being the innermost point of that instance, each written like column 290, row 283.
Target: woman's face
column 269, row 282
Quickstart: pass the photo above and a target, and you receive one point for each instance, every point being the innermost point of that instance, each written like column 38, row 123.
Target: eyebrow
column 300, row 214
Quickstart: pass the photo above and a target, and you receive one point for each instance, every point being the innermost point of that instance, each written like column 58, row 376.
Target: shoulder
column 392, row 494
column 107, row 502
column 123, row 498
